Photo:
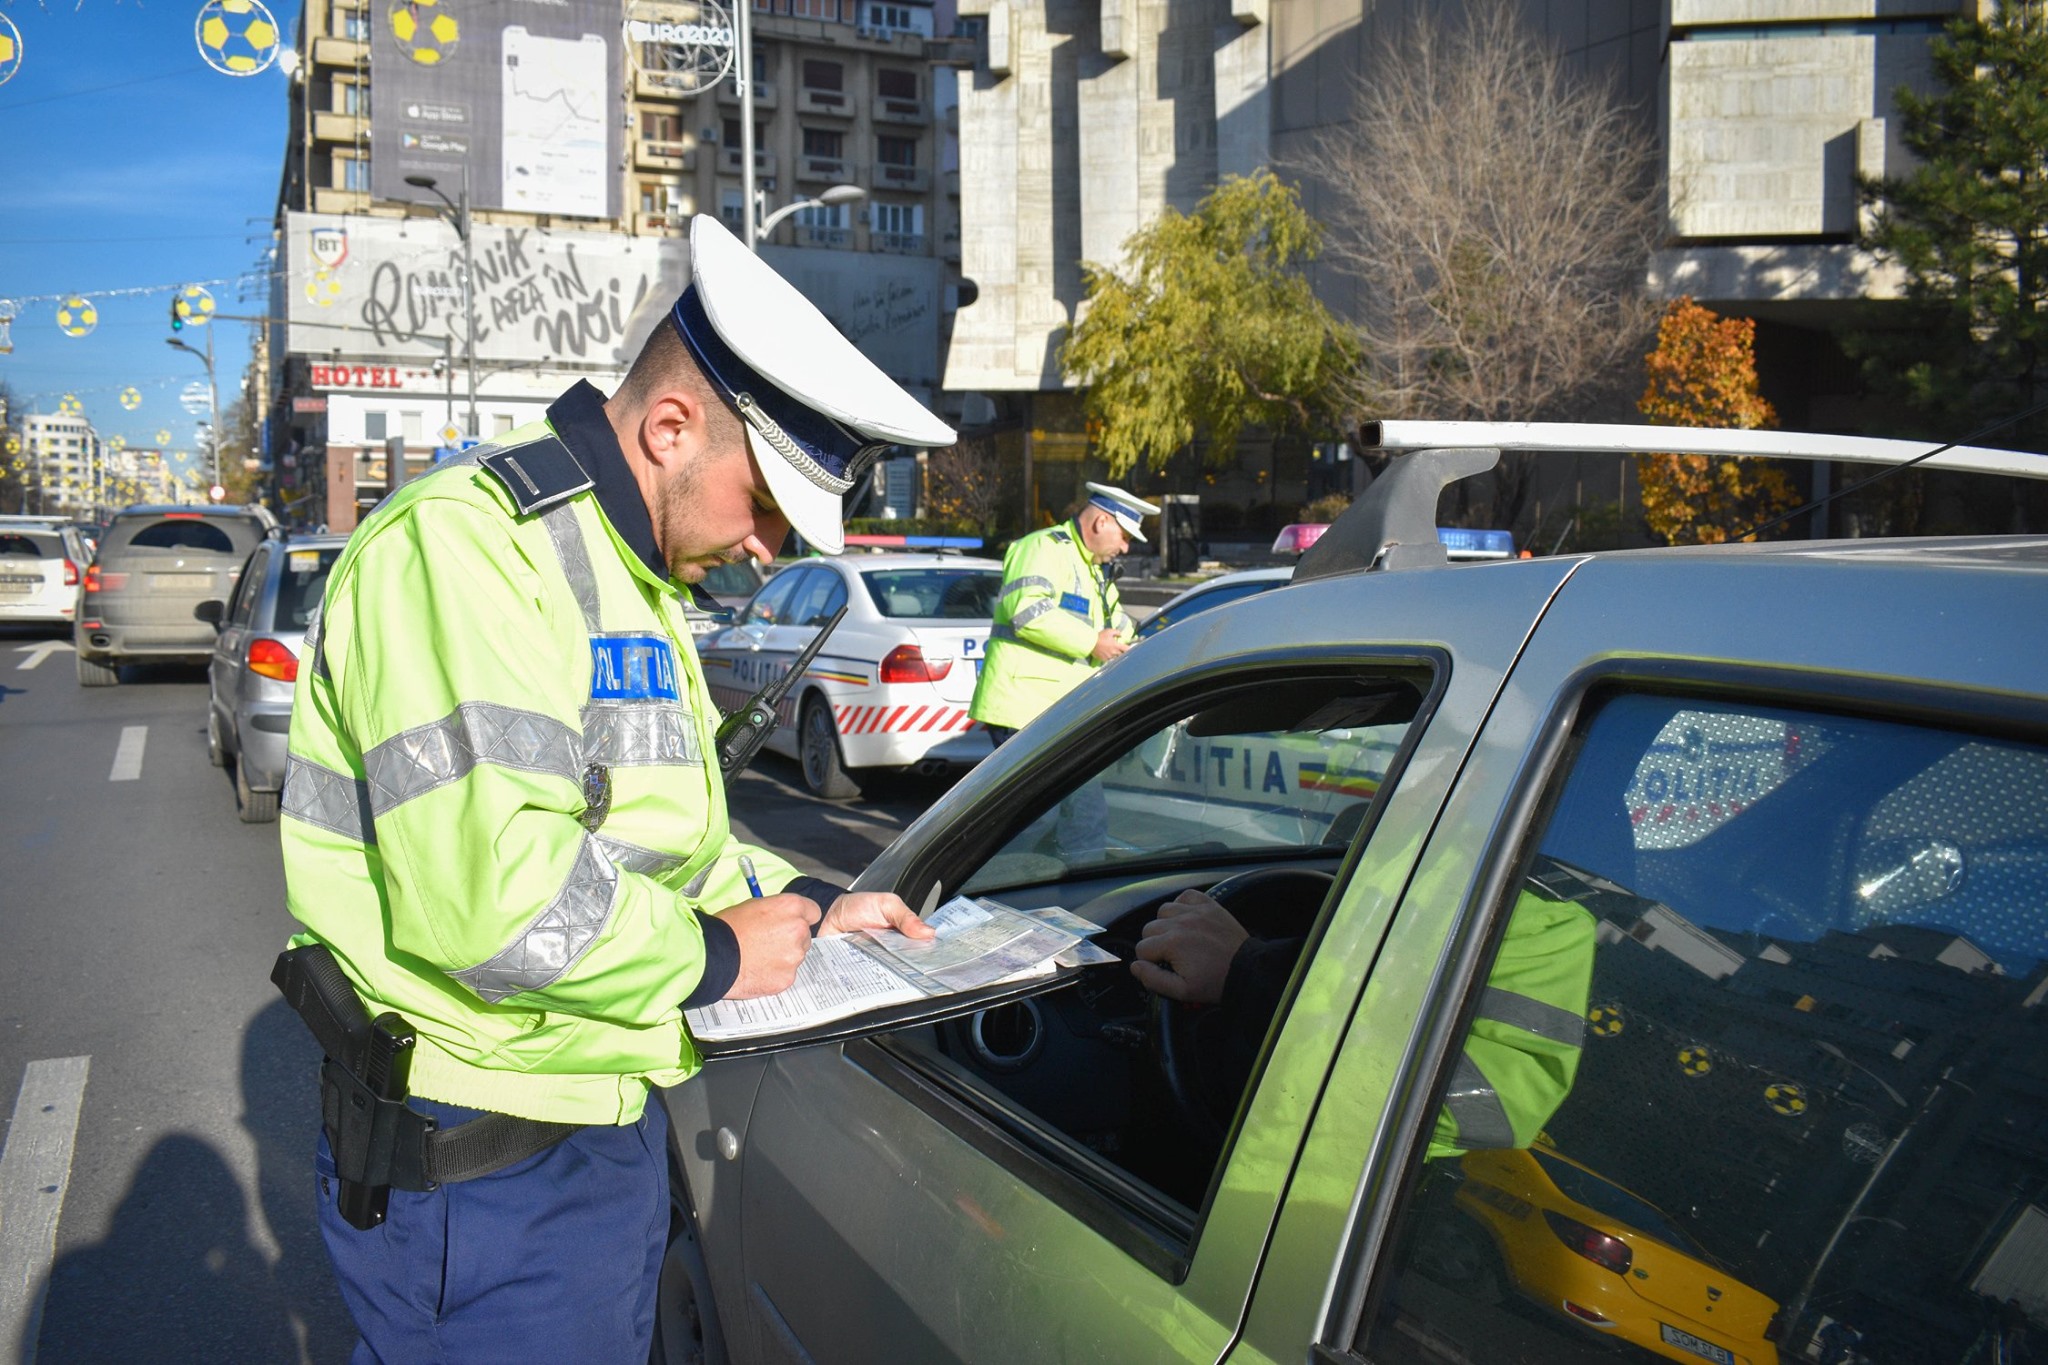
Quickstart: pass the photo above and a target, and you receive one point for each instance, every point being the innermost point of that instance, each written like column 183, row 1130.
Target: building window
column 816, row 9
column 660, row 125
column 352, row 173
column 896, row 151
column 824, row 142
column 901, row 220
column 892, row 84
column 824, row 75
column 890, row 18
column 502, row 422
column 827, row 216
column 350, row 24
column 730, row 135
column 350, row 98
column 661, row 197
column 729, row 202
column 375, row 426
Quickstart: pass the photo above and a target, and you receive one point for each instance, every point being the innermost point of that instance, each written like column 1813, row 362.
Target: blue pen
column 747, row 871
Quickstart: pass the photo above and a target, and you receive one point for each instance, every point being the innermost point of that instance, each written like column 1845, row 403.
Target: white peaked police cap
column 818, row 413
column 1128, row 509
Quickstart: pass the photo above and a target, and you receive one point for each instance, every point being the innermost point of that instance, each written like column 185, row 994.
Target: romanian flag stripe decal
column 1318, row 777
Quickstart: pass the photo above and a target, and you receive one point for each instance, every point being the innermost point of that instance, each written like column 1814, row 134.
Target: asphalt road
column 138, row 922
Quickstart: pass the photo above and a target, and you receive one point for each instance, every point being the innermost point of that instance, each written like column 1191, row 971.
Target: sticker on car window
column 303, row 561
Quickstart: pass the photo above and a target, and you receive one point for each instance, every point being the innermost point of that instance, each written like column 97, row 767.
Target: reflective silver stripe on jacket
column 567, row 534
column 1032, row 613
column 333, row 801
column 633, row 858
column 435, row 754
column 1475, row 1107
column 1532, row 1016
column 639, row 734
column 554, row 939
column 1017, row 585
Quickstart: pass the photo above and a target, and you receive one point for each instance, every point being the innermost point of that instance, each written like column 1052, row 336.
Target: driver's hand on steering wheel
column 1185, row 952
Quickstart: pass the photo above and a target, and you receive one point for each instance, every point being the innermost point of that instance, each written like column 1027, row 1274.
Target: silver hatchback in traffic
column 155, row 566
column 255, row 664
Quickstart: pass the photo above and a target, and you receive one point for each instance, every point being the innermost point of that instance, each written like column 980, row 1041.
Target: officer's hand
column 774, row 934
column 873, row 910
column 1184, row 954
column 1108, row 645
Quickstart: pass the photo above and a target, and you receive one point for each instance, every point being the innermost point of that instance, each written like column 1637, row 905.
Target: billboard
column 525, row 94
column 390, row 290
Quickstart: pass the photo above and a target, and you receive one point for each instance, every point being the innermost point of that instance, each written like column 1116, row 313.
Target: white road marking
column 39, row 652
column 35, row 1168
column 128, row 757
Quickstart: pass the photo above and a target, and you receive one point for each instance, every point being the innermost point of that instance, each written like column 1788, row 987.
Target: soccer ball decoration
column 10, row 49
column 323, row 288
column 195, row 305
column 76, row 317
column 236, row 37
column 69, row 405
column 131, row 398
column 163, row 436
column 426, row 30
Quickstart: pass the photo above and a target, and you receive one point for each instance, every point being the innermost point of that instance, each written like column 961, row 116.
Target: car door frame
column 1610, row 627
column 224, row 667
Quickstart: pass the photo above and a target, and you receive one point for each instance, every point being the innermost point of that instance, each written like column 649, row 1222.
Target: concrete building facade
column 1082, row 119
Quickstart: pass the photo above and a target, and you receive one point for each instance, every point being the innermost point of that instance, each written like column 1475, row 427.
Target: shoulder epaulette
column 538, row 474
column 1059, row 534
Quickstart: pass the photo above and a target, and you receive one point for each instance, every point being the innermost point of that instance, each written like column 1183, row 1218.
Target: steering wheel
column 1189, row 1040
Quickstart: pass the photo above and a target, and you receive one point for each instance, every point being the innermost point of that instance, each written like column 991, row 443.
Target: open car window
column 1755, row 1074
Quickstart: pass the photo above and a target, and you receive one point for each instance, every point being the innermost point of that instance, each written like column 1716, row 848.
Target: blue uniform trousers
column 555, row 1258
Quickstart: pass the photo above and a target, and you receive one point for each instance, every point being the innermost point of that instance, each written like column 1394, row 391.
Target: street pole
column 212, row 413
column 469, row 290
column 743, row 23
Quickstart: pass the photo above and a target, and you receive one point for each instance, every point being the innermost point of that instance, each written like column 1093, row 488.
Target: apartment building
column 574, row 154
column 64, row 454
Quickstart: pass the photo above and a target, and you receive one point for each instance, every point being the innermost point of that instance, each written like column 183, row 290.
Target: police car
column 1796, row 797
column 890, row 688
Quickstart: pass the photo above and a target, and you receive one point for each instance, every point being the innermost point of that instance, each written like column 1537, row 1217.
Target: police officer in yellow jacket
column 1059, row 616
column 504, row 815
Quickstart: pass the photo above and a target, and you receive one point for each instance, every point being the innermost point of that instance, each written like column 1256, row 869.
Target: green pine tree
column 1211, row 326
column 1969, row 226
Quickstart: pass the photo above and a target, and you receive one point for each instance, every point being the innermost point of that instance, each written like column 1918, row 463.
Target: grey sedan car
column 1645, row 950
column 154, row 567
column 255, row 663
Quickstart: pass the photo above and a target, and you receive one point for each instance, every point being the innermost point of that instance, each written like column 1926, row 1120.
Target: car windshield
column 1604, row 1197
column 731, row 580
column 301, row 584
column 1224, row 782
column 934, row 594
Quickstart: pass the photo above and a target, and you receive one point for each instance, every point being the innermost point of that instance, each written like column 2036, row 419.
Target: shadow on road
column 178, row 1276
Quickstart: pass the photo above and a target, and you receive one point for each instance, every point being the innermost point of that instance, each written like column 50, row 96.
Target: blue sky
column 127, row 163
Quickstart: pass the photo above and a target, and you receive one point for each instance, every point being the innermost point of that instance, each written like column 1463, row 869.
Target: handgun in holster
column 378, row 1143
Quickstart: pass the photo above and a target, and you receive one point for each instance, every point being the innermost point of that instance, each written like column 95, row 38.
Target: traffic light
column 177, row 318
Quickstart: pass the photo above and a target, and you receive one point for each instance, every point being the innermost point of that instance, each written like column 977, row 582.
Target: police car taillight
column 70, row 574
column 907, row 664
column 269, row 659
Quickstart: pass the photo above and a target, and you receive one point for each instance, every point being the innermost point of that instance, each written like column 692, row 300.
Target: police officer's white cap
column 817, row 412
column 1128, row 509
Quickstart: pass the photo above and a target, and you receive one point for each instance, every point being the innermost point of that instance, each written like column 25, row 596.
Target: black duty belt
column 378, row 1142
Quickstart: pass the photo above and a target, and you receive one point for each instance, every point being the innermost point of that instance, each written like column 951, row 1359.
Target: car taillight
column 1596, row 1246
column 269, row 659
column 907, row 664
column 70, row 574
column 92, row 578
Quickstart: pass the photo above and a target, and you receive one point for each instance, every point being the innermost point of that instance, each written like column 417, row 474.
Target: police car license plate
column 1686, row 1341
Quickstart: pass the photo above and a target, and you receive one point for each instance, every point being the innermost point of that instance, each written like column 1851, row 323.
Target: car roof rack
column 1393, row 526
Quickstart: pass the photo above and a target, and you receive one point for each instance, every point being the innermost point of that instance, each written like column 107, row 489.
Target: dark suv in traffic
column 155, row 566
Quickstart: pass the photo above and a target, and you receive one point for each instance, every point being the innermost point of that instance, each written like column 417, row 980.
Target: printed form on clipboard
column 980, row 944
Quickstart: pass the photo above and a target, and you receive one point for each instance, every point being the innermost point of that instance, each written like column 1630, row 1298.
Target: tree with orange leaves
column 1703, row 374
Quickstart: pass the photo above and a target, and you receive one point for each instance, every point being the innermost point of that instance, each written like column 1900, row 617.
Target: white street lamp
column 835, row 194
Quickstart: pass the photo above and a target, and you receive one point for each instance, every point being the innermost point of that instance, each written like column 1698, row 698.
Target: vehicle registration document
column 979, row 943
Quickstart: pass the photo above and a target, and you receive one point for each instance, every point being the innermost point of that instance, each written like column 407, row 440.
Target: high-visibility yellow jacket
column 484, row 684
column 1055, row 602
column 1522, row 1055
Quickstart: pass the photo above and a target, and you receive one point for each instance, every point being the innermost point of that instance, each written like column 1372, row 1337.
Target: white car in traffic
column 891, row 687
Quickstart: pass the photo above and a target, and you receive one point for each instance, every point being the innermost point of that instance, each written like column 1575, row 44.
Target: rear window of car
column 31, row 545
column 232, row 536
column 301, row 584
column 934, row 594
